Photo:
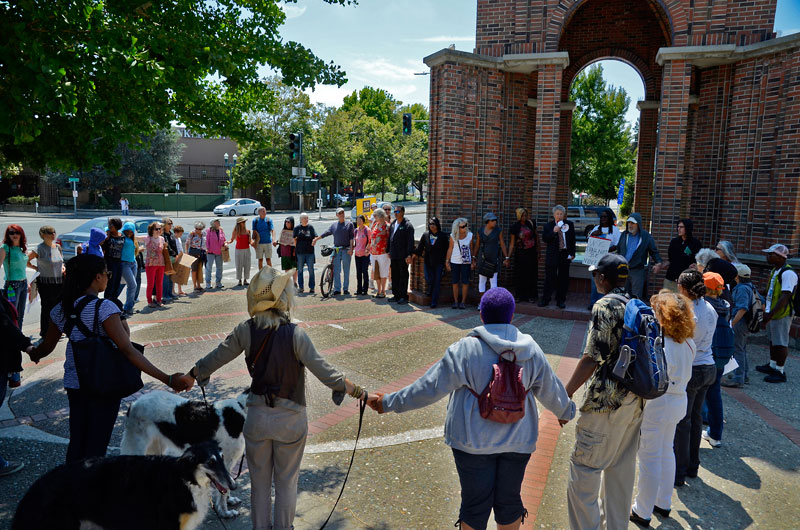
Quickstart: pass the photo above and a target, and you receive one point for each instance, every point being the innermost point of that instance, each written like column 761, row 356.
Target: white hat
column 743, row 270
column 266, row 288
column 339, row 210
column 778, row 249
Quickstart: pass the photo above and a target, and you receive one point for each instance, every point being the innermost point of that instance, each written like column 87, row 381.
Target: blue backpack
column 642, row 365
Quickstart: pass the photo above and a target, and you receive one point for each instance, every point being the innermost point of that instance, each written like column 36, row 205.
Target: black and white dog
column 162, row 423
column 126, row 492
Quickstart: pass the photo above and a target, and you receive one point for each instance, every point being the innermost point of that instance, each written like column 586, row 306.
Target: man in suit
column 401, row 248
column 559, row 236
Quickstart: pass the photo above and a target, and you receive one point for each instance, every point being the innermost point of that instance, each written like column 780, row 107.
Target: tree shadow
column 324, row 480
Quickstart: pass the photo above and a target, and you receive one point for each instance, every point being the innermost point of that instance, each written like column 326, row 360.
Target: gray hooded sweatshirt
column 468, row 364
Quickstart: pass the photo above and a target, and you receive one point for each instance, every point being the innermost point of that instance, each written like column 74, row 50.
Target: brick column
column 563, row 189
column 648, row 137
column 548, row 118
column 670, row 167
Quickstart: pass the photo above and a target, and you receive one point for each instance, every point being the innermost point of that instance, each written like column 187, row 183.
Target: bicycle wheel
column 326, row 281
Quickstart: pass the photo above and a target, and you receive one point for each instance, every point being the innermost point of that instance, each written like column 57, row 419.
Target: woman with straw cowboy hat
column 276, row 352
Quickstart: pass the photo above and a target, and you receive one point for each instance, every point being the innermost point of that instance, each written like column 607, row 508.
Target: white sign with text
column 596, row 248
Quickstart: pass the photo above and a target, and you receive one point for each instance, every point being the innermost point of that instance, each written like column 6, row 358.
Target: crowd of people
column 702, row 310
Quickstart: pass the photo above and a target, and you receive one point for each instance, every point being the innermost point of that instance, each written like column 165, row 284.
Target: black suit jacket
column 402, row 244
column 434, row 254
column 551, row 240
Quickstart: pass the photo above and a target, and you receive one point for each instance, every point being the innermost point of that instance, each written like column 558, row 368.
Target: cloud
column 294, row 11
column 330, row 95
column 381, row 69
column 444, row 38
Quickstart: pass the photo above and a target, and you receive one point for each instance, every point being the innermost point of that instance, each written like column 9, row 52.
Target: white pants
column 242, row 256
column 483, row 280
column 656, row 456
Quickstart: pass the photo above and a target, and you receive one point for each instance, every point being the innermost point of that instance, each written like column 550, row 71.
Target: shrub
column 21, row 199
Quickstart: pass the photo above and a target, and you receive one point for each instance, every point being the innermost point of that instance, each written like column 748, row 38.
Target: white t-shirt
column 461, row 250
column 613, row 234
column 705, row 317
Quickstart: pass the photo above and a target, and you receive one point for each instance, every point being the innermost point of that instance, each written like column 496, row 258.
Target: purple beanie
column 497, row 306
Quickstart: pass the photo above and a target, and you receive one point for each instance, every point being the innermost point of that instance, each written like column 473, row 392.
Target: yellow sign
column 364, row 206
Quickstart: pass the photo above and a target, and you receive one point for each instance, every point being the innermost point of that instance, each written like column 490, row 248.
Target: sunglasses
column 13, row 233
column 462, row 226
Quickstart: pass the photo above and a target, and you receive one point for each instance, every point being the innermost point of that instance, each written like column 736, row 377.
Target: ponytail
column 81, row 272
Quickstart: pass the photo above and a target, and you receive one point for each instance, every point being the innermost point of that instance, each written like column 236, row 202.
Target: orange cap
column 712, row 280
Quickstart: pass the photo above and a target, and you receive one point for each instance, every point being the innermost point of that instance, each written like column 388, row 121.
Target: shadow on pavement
column 710, row 505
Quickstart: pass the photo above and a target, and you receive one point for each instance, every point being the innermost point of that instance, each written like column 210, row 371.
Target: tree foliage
column 148, row 165
column 602, row 151
column 375, row 102
column 78, row 77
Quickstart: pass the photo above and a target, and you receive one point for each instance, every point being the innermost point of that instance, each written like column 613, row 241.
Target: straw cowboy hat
column 266, row 288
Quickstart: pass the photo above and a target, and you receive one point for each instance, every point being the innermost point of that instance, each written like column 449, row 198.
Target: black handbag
column 103, row 370
column 486, row 268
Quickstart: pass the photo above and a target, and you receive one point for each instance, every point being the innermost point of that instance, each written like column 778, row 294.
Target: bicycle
column 326, row 278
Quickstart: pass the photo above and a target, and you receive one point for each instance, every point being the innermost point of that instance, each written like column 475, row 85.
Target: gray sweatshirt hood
column 504, row 337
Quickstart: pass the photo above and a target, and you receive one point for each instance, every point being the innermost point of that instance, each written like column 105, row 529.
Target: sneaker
column 777, row 377
column 730, row 383
column 641, row 521
column 766, row 369
column 462, row 306
column 299, row 289
column 454, row 306
column 219, row 286
column 11, row 467
column 712, row 442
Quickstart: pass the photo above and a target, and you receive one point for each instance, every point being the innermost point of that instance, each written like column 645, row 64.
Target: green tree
column 77, row 78
column 147, row 165
column 602, row 152
column 376, row 103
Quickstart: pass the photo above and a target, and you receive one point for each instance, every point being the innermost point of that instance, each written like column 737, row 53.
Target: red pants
column 155, row 277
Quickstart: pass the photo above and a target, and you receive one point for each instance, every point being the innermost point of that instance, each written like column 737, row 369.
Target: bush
column 20, row 199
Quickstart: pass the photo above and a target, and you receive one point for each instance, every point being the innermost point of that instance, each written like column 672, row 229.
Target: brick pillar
column 670, row 167
column 648, row 137
column 548, row 117
column 563, row 189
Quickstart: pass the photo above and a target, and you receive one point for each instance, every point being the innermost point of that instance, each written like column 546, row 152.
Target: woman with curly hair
column 661, row 415
column 704, row 371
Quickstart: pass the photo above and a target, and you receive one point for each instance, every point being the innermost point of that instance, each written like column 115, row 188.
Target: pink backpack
column 503, row 399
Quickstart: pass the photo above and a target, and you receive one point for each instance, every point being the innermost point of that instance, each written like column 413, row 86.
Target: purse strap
column 261, row 350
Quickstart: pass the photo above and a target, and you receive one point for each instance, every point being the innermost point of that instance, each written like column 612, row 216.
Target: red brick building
column 719, row 127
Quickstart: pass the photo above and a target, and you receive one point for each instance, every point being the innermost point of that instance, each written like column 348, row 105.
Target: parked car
column 71, row 240
column 338, row 199
column 353, row 214
column 238, row 207
column 585, row 218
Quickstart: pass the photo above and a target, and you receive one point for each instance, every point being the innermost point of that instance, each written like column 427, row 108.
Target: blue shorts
column 490, row 482
column 460, row 272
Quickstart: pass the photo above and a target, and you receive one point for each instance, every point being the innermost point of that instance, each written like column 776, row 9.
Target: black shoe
column 562, row 305
column 679, row 483
column 402, row 301
column 641, row 521
column 336, row 293
column 543, row 303
column 433, row 306
column 661, row 511
column 454, row 306
column 766, row 369
column 311, row 291
column 777, row 377
column 346, row 292
column 691, row 474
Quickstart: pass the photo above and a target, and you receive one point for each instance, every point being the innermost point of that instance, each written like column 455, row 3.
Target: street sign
column 298, row 172
column 74, row 179
column 75, row 194
column 319, row 203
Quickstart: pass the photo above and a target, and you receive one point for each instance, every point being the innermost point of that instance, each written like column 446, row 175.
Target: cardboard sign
column 596, row 248
column 183, row 269
column 287, row 238
column 364, row 207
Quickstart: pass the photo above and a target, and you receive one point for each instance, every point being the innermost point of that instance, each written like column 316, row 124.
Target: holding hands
column 375, row 402
column 180, row 382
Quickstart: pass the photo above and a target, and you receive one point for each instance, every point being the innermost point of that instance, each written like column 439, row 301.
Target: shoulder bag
column 103, row 370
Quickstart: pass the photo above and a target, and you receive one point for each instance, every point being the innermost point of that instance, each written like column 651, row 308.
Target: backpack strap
column 618, row 297
column 74, row 317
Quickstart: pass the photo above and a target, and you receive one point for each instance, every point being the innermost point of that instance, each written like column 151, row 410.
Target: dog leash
column 362, row 405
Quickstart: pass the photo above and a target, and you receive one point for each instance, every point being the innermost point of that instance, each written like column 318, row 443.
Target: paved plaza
column 404, row 475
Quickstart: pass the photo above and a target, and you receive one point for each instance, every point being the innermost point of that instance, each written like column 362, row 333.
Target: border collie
column 126, row 492
column 162, row 423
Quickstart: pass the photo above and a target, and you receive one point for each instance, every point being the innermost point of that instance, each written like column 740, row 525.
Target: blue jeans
column 21, row 294
column 304, row 260
column 129, row 272
column 433, row 278
column 213, row 259
column 740, row 333
column 341, row 261
column 167, row 283
column 714, row 402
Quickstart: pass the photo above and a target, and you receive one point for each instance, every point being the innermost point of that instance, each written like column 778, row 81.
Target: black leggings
column 362, row 273
column 91, row 421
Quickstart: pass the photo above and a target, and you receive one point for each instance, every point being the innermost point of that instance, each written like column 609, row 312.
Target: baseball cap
column 713, row 280
column 489, row 217
column 778, row 249
column 339, row 210
column 633, row 220
column 612, row 266
column 743, row 270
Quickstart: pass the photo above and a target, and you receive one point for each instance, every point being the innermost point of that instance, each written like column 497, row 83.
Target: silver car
column 71, row 240
column 238, row 207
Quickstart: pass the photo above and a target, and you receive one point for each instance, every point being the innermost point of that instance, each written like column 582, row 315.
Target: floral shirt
column 379, row 240
column 155, row 251
column 602, row 345
column 362, row 241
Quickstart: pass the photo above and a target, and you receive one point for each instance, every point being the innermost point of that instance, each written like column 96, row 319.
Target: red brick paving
column 765, row 414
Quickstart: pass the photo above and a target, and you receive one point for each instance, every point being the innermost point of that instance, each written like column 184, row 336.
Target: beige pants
column 603, row 467
column 274, row 441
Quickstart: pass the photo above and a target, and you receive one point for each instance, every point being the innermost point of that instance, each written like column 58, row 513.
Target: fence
column 196, row 202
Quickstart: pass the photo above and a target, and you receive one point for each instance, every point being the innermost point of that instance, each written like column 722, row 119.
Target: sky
column 381, row 43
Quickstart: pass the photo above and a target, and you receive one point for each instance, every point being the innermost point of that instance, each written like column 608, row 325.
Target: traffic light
column 407, row 122
column 295, row 146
